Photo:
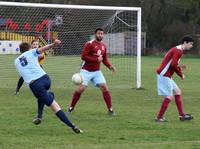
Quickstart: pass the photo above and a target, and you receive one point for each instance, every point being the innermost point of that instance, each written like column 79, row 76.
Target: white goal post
column 116, row 29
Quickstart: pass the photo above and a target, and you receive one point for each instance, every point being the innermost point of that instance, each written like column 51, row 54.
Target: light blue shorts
column 96, row 77
column 165, row 85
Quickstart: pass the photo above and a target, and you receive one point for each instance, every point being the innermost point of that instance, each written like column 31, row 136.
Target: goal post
column 74, row 25
column 138, row 71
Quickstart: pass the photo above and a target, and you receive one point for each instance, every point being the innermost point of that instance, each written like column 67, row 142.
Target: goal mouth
column 74, row 25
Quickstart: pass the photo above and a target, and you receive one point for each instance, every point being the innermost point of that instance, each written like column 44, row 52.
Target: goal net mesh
column 74, row 27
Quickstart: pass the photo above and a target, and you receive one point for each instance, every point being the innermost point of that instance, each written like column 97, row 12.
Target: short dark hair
column 24, row 46
column 98, row 29
column 187, row 39
column 34, row 41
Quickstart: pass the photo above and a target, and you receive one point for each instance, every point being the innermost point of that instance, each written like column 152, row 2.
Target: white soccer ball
column 77, row 78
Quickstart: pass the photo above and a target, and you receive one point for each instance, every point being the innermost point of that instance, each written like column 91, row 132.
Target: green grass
column 132, row 128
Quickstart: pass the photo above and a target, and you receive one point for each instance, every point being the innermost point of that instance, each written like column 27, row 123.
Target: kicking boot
column 111, row 112
column 70, row 109
column 77, row 130
column 37, row 120
column 163, row 119
column 186, row 117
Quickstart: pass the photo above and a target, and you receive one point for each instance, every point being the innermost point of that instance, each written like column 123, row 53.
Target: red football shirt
column 91, row 51
column 170, row 62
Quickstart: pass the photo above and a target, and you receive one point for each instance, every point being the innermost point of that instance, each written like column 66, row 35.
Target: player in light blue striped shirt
column 28, row 67
column 39, row 82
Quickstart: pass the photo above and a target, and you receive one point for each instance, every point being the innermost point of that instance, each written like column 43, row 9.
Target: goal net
column 73, row 25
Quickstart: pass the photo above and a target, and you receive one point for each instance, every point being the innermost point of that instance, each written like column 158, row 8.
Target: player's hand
column 183, row 67
column 49, row 46
column 100, row 58
column 57, row 42
column 112, row 68
column 183, row 77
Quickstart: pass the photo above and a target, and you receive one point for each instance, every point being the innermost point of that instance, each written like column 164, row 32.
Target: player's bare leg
column 160, row 116
column 61, row 115
column 76, row 96
column 107, row 97
column 179, row 103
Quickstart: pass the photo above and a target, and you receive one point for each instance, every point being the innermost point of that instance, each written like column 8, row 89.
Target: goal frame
column 139, row 18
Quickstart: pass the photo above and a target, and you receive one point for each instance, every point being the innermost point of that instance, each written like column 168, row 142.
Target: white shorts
column 96, row 77
column 165, row 85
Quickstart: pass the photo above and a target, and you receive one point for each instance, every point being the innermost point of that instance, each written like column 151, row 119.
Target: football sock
column 163, row 107
column 179, row 104
column 107, row 99
column 61, row 115
column 40, row 108
column 75, row 98
column 19, row 84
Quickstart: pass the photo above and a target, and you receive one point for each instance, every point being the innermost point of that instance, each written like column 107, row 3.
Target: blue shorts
column 165, row 85
column 40, row 89
column 96, row 77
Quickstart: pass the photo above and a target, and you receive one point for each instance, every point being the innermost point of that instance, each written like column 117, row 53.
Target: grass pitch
column 132, row 128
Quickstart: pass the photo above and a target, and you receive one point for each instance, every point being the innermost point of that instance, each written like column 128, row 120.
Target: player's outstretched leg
column 61, row 115
column 163, row 108
column 76, row 97
column 40, row 90
column 19, row 85
column 38, row 118
column 107, row 98
column 179, row 103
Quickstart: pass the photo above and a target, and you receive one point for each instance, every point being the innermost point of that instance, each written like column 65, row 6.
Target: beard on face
column 99, row 38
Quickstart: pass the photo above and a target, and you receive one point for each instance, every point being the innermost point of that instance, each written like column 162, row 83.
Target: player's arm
column 107, row 63
column 41, row 56
column 49, row 46
column 85, row 54
column 174, row 64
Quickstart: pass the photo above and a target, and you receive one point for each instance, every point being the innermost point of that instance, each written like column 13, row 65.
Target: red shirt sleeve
column 176, row 56
column 86, row 54
column 105, row 60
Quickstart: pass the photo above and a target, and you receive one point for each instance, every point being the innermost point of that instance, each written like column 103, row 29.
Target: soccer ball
column 77, row 78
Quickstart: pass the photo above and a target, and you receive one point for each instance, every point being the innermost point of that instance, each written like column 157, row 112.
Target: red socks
column 166, row 101
column 163, row 107
column 106, row 96
column 107, row 99
column 179, row 104
column 75, row 99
